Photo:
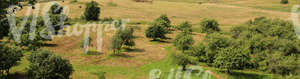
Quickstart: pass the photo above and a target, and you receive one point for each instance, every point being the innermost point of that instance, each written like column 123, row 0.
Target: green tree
column 92, row 11
column 122, row 37
column 183, row 60
column 116, row 44
column 45, row 65
column 215, row 42
column 164, row 20
column 4, row 25
column 185, row 26
column 209, row 25
column 183, row 41
column 56, row 9
column 284, row 1
column 199, row 52
column 156, row 31
column 9, row 57
column 231, row 58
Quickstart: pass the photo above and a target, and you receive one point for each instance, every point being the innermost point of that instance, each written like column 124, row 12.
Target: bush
column 185, row 26
column 209, row 25
column 9, row 57
column 183, row 41
column 284, row 1
column 44, row 65
column 56, row 9
column 164, row 21
column 156, row 31
column 231, row 58
column 92, row 11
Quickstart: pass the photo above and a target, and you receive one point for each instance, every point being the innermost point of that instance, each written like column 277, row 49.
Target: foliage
column 280, row 64
column 92, row 11
column 164, row 21
column 183, row 60
column 199, row 52
column 215, row 42
column 56, row 9
column 183, row 41
column 271, row 42
column 232, row 58
column 29, row 37
column 116, row 44
column 284, row 1
column 185, row 26
column 156, row 30
column 4, row 4
column 124, row 36
column 44, row 65
column 9, row 57
column 101, row 75
column 209, row 25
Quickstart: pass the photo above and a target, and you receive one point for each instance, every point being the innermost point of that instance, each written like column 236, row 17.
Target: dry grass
column 147, row 52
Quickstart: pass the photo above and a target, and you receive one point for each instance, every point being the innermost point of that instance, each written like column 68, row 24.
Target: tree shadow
column 241, row 75
column 120, row 55
column 160, row 41
column 49, row 45
column 133, row 50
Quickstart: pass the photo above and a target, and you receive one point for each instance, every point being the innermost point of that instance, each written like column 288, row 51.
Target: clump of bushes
column 92, row 11
column 45, row 65
column 159, row 28
column 269, row 45
column 209, row 26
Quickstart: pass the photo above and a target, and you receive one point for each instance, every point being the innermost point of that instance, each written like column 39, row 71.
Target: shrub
column 44, row 65
column 232, row 58
column 284, row 1
column 164, row 21
column 183, row 41
column 56, row 9
column 101, row 75
column 9, row 57
column 156, row 31
column 209, row 25
column 92, row 11
column 185, row 26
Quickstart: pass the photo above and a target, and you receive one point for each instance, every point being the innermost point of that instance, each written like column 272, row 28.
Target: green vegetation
column 92, row 11
column 124, row 36
column 284, row 1
column 9, row 56
column 44, row 65
column 209, row 26
column 185, row 26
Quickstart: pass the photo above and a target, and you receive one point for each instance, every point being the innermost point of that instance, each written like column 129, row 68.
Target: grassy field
column 151, row 55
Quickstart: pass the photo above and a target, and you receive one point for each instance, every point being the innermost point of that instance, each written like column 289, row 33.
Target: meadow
column 149, row 55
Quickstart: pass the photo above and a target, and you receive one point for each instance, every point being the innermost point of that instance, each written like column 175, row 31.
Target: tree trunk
column 183, row 67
